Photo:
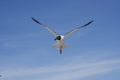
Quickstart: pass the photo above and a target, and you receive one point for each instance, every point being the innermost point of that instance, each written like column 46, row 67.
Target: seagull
column 60, row 45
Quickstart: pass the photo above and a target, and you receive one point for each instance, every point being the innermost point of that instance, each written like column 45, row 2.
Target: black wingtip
column 88, row 23
column 91, row 21
column 35, row 20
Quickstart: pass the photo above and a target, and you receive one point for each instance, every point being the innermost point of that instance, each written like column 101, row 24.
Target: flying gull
column 60, row 38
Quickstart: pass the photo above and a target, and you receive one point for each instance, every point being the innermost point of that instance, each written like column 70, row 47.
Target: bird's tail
column 58, row 46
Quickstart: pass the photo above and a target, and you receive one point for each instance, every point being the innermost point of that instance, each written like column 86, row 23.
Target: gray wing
column 46, row 27
column 76, row 29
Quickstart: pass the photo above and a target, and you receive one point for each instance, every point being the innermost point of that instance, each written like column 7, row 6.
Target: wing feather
column 76, row 29
column 46, row 27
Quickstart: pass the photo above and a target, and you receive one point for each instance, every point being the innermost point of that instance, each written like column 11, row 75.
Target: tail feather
column 65, row 45
column 58, row 46
column 55, row 46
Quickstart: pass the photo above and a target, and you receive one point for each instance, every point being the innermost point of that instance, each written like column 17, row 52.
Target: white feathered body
column 60, row 43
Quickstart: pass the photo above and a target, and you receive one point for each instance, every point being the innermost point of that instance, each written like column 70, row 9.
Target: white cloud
column 70, row 71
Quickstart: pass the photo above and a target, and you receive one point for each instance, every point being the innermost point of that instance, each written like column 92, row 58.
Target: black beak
column 58, row 38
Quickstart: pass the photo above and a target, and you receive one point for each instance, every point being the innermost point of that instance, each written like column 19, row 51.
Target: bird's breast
column 62, row 37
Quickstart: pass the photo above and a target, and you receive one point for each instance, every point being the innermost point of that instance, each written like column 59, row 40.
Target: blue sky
column 26, row 51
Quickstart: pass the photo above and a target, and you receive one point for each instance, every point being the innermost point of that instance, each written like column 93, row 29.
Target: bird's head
column 59, row 37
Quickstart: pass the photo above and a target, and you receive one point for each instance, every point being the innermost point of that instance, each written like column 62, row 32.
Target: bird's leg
column 60, row 51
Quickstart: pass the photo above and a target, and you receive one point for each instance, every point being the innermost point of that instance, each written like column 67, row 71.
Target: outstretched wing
column 76, row 29
column 46, row 27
